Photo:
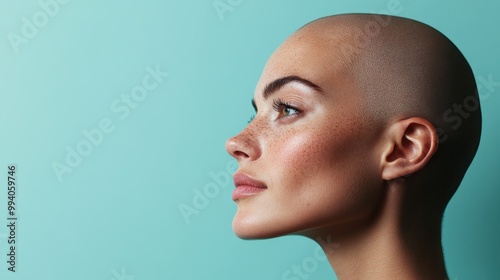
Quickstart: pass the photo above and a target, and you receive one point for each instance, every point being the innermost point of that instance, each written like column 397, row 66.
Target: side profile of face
column 309, row 144
column 342, row 112
column 344, row 144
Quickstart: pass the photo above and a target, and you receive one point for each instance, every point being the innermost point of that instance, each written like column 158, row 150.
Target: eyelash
column 279, row 105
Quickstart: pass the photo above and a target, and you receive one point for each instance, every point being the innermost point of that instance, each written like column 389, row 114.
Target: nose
column 244, row 146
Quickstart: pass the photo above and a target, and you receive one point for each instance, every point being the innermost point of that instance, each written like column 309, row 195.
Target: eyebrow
column 277, row 84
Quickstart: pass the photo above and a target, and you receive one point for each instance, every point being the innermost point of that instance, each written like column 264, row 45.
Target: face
column 308, row 160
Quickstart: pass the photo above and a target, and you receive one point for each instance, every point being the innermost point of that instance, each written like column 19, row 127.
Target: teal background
column 116, row 215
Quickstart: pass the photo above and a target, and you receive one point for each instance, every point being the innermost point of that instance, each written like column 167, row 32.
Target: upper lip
column 241, row 179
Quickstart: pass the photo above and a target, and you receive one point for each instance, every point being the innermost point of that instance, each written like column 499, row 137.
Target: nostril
column 240, row 154
column 235, row 149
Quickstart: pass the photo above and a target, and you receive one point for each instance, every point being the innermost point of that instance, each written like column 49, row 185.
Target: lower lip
column 245, row 191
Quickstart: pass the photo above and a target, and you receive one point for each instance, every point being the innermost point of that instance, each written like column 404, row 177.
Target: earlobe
column 409, row 146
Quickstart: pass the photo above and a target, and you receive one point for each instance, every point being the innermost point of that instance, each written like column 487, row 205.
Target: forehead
column 312, row 55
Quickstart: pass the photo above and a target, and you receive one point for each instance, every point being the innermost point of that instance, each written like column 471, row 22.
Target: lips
column 246, row 186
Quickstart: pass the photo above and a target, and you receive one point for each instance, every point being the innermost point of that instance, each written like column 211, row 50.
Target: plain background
column 116, row 214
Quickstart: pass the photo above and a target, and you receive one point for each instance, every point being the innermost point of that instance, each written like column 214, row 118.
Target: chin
column 245, row 228
column 253, row 228
column 248, row 231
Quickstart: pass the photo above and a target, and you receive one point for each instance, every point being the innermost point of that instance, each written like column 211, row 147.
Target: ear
column 410, row 145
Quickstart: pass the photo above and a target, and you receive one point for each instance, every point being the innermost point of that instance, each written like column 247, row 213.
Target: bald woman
column 365, row 126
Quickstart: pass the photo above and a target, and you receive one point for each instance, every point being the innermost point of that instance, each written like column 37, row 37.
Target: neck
column 386, row 247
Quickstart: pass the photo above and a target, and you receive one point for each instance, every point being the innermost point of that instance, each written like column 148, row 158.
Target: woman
column 364, row 128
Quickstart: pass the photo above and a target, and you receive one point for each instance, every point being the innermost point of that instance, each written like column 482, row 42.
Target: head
column 349, row 109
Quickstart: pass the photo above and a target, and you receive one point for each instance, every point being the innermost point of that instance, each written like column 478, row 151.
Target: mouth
column 246, row 186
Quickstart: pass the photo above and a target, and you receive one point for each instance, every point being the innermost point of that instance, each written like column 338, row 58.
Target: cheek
column 295, row 154
column 305, row 151
column 322, row 173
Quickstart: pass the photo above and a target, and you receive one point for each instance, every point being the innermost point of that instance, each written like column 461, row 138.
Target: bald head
column 402, row 68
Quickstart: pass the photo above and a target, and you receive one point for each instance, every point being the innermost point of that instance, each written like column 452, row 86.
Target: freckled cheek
column 307, row 153
column 310, row 148
column 296, row 156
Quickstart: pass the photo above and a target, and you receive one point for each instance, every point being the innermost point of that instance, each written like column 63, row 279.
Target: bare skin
column 358, row 141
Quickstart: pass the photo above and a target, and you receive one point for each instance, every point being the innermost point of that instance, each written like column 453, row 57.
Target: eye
column 284, row 109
